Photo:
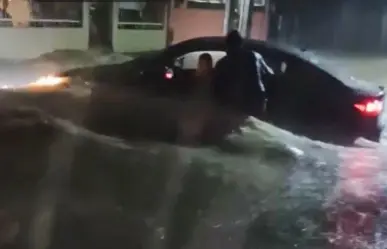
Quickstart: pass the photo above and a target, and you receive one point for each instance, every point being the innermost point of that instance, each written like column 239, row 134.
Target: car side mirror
column 283, row 67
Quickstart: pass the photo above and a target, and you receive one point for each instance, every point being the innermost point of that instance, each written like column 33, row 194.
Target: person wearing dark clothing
column 237, row 78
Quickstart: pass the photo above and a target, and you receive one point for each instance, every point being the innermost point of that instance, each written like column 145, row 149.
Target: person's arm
column 266, row 67
column 261, row 63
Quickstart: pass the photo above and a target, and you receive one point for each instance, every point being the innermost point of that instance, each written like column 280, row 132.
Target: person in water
column 196, row 114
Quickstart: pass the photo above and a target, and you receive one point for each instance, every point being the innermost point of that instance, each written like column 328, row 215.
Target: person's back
column 236, row 78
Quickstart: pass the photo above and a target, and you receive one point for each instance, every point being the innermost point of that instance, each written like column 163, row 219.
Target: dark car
column 305, row 96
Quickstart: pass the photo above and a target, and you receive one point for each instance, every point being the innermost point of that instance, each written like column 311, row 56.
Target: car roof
column 218, row 43
column 214, row 43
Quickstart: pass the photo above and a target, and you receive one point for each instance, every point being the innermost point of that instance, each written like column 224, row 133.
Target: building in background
column 35, row 27
column 205, row 18
column 139, row 26
column 30, row 28
column 155, row 24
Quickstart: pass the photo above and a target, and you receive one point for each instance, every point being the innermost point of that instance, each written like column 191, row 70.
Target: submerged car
column 305, row 96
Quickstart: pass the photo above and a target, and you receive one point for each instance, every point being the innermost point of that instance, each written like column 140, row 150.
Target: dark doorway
column 101, row 25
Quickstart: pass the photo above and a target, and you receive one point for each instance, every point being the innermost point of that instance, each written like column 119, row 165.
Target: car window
column 190, row 60
column 276, row 61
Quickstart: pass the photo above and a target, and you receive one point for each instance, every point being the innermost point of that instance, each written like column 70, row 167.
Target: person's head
column 234, row 41
column 204, row 63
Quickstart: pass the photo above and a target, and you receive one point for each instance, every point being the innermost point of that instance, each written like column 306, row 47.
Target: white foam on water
column 248, row 167
column 76, row 130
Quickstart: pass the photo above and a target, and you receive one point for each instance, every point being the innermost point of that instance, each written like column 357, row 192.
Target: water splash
column 269, row 176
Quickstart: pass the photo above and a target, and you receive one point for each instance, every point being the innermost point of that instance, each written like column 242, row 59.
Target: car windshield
column 123, row 126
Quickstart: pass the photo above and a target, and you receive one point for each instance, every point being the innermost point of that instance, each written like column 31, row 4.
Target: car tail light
column 370, row 107
column 169, row 74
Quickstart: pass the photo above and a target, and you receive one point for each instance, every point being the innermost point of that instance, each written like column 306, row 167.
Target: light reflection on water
column 359, row 200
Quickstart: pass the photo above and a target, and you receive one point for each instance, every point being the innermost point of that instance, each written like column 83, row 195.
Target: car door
column 286, row 92
column 279, row 89
column 275, row 60
column 307, row 99
column 164, row 75
column 157, row 75
column 173, row 73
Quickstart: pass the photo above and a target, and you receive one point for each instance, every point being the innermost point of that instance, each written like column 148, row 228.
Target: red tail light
column 370, row 107
column 169, row 74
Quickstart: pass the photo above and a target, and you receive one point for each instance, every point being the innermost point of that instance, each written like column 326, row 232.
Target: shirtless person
column 197, row 108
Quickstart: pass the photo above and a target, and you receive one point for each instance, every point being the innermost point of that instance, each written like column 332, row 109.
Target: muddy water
column 66, row 187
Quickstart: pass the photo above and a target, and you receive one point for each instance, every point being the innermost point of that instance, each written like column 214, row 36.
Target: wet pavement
column 63, row 186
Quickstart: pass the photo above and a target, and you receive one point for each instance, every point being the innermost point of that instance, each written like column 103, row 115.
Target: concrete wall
column 137, row 40
column 184, row 23
column 259, row 26
column 28, row 43
column 189, row 23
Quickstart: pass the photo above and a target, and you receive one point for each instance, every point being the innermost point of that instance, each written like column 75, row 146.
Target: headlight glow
column 49, row 81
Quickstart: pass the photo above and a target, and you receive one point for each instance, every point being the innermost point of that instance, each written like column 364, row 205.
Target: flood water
column 64, row 186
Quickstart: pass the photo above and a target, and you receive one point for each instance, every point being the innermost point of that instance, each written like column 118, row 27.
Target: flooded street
column 63, row 186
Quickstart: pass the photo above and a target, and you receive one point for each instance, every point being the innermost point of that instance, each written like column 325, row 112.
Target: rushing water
column 68, row 187
column 63, row 186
